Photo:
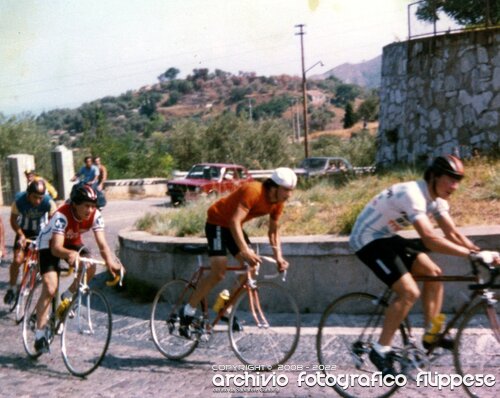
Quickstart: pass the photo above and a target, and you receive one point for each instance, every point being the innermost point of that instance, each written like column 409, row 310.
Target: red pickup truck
column 207, row 179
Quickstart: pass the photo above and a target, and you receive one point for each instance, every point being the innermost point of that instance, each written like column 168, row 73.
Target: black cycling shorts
column 391, row 258
column 49, row 262
column 220, row 240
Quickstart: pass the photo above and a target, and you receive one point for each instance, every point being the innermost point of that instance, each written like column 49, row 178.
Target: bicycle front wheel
column 86, row 332
column 269, row 336
column 23, row 294
column 477, row 347
column 29, row 321
column 165, row 320
column 344, row 340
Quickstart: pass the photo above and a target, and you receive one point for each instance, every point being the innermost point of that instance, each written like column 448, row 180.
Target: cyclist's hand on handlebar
column 22, row 241
column 72, row 256
column 486, row 256
column 115, row 267
column 282, row 264
column 251, row 257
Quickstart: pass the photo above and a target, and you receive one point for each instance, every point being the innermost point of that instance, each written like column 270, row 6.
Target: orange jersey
column 251, row 196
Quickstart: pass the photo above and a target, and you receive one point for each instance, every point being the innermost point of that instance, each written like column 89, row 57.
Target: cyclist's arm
column 14, row 214
column 104, row 176
column 451, row 232
column 113, row 266
column 58, row 250
column 236, row 230
column 51, row 190
column 275, row 241
column 437, row 243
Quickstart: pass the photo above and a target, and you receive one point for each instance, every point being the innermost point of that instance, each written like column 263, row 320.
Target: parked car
column 324, row 166
column 207, row 179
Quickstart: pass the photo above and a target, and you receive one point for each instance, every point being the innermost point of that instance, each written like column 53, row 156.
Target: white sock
column 382, row 349
column 39, row 333
column 188, row 310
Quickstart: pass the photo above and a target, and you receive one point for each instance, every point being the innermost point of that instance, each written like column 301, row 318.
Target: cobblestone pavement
column 134, row 368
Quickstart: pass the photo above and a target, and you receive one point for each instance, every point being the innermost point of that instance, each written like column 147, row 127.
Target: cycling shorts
column 32, row 235
column 391, row 258
column 220, row 240
column 49, row 262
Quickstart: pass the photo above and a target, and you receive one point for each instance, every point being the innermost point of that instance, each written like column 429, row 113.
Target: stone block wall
column 440, row 95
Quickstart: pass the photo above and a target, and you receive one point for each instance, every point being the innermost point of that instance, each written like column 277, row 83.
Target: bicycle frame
column 479, row 290
column 30, row 260
column 247, row 283
column 83, row 287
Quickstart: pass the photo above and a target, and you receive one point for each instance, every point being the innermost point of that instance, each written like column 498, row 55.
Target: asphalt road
column 133, row 367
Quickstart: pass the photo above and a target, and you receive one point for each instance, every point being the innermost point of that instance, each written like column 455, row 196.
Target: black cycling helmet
column 37, row 187
column 83, row 193
column 446, row 164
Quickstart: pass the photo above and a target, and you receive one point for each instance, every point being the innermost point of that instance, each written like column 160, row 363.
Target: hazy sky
column 61, row 53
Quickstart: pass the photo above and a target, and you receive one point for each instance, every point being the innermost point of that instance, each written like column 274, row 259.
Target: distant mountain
column 365, row 74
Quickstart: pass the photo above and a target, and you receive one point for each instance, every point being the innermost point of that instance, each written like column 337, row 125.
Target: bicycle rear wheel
column 269, row 345
column 343, row 343
column 29, row 321
column 477, row 346
column 86, row 332
column 164, row 323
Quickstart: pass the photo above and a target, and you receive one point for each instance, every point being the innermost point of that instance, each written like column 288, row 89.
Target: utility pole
column 301, row 33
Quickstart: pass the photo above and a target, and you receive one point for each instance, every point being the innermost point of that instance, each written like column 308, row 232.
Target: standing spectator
column 2, row 239
column 103, row 173
column 29, row 213
column 32, row 176
column 88, row 174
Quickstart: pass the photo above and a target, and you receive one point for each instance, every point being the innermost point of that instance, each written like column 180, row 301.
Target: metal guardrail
column 443, row 24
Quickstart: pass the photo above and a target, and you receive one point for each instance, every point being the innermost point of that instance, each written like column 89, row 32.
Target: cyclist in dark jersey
column 30, row 211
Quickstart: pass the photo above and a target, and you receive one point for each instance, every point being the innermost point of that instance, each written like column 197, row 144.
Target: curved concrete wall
column 438, row 95
column 322, row 267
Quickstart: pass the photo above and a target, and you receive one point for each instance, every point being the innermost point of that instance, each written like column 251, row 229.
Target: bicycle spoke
column 258, row 344
column 86, row 333
column 29, row 321
column 343, row 342
column 164, row 322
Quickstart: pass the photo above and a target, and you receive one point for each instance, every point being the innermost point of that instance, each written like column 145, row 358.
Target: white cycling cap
column 284, row 177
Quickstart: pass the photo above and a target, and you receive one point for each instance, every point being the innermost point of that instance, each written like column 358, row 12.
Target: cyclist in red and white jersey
column 62, row 239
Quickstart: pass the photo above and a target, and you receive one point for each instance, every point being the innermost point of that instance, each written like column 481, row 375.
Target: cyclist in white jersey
column 395, row 260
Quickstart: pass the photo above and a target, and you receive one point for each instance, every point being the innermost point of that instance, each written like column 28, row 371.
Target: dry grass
column 325, row 209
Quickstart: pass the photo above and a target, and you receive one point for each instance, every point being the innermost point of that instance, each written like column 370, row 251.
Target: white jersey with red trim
column 64, row 222
column 394, row 209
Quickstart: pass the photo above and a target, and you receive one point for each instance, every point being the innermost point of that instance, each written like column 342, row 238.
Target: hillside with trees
column 207, row 116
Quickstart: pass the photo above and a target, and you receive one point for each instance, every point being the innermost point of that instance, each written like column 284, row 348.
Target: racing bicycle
column 85, row 326
column 28, row 280
column 352, row 323
column 268, row 314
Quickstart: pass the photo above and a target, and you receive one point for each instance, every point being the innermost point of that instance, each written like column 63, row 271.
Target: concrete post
column 18, row 163
column 63, row 169
column 1, row 188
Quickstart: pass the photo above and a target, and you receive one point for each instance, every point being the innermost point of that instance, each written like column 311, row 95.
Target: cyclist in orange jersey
column 224, row 232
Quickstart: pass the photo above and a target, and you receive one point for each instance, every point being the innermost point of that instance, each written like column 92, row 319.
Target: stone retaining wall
column 322, row 267
column 440, row 94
